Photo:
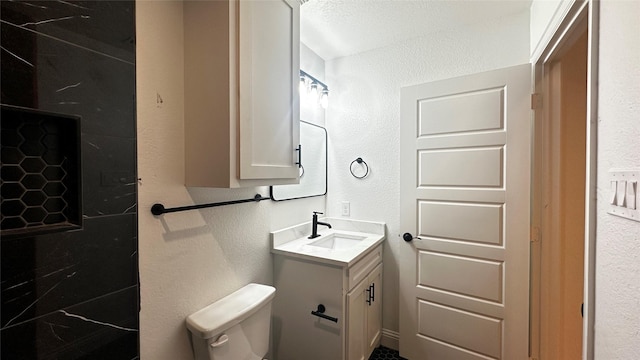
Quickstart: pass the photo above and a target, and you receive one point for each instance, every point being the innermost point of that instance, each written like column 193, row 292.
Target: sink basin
column 337, row 241
column 342, row 245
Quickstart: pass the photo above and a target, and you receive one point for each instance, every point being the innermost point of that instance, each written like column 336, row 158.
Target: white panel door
column 465, row 201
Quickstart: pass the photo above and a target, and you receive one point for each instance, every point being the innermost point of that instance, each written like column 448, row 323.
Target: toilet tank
column 235, row 327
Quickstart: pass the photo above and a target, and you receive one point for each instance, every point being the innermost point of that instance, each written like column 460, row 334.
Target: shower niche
column 40, row 173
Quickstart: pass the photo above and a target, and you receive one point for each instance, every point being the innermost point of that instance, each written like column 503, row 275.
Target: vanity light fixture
column 303, row 85
column 313, row 89
column 324, row 98
column 313, row 93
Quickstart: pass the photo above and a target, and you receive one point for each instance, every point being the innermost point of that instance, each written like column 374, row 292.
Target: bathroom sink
column 337, row 241
column 343, row 244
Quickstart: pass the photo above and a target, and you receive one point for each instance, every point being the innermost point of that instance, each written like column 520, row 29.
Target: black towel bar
column 159, row 209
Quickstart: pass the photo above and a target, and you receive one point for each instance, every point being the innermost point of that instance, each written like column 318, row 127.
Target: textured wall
column 189, row 260
column 363, row 119
column 617, row 323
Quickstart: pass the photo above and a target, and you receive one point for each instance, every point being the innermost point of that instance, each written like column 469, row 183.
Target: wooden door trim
column 580, row 14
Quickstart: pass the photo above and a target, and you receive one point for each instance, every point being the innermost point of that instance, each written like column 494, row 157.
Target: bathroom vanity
column 328, row 303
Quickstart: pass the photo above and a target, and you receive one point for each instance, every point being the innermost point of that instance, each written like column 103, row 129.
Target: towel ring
column 359, row 161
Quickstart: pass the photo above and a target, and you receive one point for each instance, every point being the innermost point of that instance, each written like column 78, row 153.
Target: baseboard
column 390, row 339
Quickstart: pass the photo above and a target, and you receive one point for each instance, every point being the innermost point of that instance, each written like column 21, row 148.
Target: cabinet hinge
column 536, row 101
column 534, row 235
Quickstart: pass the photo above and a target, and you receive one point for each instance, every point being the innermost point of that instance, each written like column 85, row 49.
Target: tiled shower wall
column 74, row 294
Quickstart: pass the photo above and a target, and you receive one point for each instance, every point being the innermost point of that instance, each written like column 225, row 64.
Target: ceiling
column 337, row 28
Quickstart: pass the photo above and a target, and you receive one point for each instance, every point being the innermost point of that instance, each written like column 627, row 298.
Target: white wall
column 617, row 321
column 363, row 118
column 188, row 260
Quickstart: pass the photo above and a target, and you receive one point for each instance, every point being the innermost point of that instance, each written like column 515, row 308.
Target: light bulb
column 303, row 86
column 324, row 98
column 313, row 95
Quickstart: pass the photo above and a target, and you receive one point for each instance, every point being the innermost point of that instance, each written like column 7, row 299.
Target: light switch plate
column 632, row 195
column 624, row 197
column 346, row 208
column 622, row 192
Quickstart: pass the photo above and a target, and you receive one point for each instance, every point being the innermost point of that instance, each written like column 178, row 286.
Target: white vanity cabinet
column 241, row 74
column 351, row 293
column 364, row 313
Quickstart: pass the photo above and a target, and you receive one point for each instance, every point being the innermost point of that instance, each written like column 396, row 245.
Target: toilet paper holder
column 320, row 313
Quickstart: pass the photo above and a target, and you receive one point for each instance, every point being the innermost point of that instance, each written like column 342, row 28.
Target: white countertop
column 294, row 241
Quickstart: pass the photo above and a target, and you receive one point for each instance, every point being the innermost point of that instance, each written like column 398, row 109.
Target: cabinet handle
column 373, row 291
column 299, row 150
column 370, row 294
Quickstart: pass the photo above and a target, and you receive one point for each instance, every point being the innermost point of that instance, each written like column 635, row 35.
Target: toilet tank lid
column 230, row 310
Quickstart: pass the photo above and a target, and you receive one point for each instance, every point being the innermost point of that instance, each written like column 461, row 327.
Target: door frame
column 579, row 13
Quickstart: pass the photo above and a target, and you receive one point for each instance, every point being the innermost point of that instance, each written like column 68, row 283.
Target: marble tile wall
column 74, row 294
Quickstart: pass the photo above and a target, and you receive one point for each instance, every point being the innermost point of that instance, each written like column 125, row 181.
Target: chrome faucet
column 315, row 223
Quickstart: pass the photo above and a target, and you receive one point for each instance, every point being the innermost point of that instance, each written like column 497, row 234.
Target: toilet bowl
column 235, row 327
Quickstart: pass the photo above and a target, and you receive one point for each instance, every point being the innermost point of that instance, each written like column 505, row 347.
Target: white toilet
column 235, row 327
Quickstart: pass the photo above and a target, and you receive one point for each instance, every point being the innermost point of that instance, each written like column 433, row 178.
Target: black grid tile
column 37, row 191
column 384, row 353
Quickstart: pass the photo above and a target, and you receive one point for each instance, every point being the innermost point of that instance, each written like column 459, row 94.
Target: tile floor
column 383, row 353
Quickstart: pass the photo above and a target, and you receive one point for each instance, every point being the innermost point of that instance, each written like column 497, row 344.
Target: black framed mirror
column 313, row 172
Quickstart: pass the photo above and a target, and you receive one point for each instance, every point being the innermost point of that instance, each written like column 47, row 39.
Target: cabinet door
column 269, row 111
column 374, row 311
column 357, row 318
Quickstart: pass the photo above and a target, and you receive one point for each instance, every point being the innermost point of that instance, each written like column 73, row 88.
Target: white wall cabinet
column 303, row 284
column 242, row 62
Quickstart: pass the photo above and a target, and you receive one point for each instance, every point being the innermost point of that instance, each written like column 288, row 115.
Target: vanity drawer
column 363, row 267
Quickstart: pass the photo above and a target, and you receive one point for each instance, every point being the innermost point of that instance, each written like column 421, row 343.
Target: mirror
column 313, row 173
